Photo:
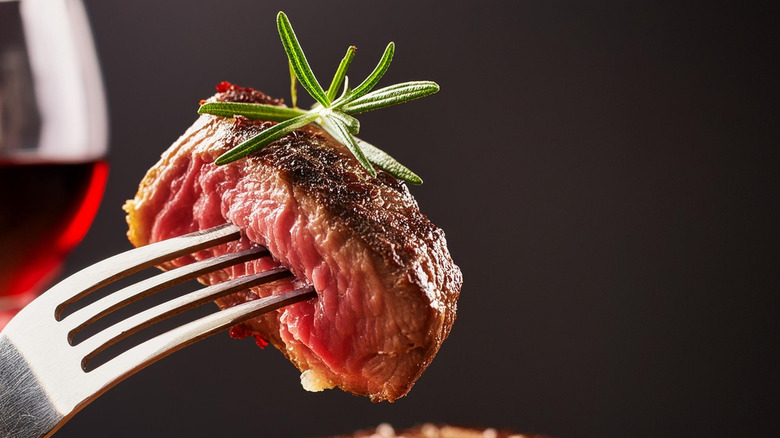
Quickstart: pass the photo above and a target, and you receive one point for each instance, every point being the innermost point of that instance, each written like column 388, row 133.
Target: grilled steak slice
column 386, row 283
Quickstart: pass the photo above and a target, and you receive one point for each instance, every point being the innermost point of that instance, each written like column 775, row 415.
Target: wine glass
column 53, row 142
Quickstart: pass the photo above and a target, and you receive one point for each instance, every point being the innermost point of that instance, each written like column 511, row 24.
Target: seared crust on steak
column 386, row 283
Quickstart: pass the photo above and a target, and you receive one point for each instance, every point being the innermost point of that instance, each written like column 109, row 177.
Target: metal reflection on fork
column 44, row 379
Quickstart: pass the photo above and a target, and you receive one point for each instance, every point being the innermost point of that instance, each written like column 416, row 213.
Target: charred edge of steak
column 308, row 160
column 233, row 93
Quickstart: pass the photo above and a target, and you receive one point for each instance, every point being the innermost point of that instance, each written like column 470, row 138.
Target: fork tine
column 109, row 336
column 134, row 260
column 36, row 339
column 81, row 318
column 144, row 354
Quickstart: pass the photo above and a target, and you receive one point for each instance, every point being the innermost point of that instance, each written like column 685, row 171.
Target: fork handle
column 25, row 409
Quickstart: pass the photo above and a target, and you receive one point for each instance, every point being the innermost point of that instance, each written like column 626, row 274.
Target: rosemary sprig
column 333, row 114
column 341, row 73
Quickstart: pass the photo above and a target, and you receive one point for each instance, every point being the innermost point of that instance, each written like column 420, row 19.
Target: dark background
column 603, row 175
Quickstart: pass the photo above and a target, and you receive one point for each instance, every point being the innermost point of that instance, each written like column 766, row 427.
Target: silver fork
column 44, row 378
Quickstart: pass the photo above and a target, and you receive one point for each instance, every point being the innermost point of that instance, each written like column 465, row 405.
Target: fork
column 44, row 374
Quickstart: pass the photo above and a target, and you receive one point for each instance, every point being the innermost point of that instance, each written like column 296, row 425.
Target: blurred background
column 602, row 171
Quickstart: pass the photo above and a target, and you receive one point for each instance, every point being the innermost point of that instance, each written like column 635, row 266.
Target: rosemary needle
column 334, row 114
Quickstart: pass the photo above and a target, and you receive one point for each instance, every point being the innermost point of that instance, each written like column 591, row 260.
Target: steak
column 387, row 286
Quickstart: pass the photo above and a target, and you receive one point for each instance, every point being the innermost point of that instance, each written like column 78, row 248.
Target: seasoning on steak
column 387, row 287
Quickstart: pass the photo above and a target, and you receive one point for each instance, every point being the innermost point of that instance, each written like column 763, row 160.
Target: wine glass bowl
column 53, row 142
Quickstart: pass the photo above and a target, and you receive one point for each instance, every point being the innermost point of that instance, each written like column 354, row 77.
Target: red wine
column 45, row 210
